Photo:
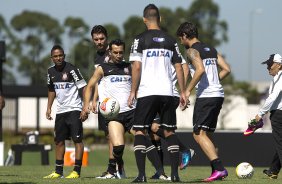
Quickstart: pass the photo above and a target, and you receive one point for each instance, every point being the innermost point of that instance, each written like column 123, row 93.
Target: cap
column 273, row 58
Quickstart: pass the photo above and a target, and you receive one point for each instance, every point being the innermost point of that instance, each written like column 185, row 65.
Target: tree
column 35, row 31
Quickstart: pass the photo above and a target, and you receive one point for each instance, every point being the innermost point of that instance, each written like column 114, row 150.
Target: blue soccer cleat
column 186, row 158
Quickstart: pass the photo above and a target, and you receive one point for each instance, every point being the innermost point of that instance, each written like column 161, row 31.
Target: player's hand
column 48, row 114
column 184, row 101
column 84, row 114
column 257, row 118
column 131, row 100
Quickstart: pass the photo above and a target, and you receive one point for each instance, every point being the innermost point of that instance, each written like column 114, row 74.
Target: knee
column 59, row 143
column 77, row 140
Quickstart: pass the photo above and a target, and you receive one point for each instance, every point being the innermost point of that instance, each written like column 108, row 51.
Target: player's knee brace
column 118, row 151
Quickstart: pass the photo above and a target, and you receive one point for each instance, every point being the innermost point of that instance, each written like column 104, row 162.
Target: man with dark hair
column 204, row 62
column 66, row 84
column 99, row 36
column 155, row 52
column 116, row 78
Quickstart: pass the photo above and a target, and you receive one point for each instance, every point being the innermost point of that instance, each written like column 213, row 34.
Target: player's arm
column 195, row 59
column 135, row 77
column 181, row 85
column 2, row 101
column 51, row 98
column 95, row 99
column 97, row 75
column 185, row 72
column 225, row 68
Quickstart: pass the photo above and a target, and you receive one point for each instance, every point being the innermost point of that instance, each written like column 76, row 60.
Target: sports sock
column 112, row 166
column 140, row 154
column 157, row 144
column 59, row 167
column 117, row 153
column 182, row 147
column 153, row 156
column 217, row 165
column 77, row 166
column 173, row 150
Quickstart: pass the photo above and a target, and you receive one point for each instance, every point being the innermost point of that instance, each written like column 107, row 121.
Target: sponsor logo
column 210, row 61
column 177, row 50
column 157, row 39
column 75, row 77
column 120, row 79
column 158, row 53
column 135, row 46
column 207, row 49
column 62, row 86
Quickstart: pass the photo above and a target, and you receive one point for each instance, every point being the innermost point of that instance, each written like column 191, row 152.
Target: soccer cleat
column 73, row 174
column 53, row 175
column 140, row 180
column 175, row 179
column 121, row 172
column 217, row 175
column 253, row 126
column 270, row 174
column 186, row 158
column 107, row 175
column 163, row 176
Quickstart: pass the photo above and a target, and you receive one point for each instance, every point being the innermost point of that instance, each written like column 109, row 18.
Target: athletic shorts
column 68, row 125
column 148, row 107
column 206, row 112
column 125, row 118
column 176, row 103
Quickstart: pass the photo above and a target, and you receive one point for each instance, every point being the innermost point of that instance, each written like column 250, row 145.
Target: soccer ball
column 109, row 108
column 244, row 170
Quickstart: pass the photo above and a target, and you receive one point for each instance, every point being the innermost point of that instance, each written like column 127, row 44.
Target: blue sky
column 254, row 26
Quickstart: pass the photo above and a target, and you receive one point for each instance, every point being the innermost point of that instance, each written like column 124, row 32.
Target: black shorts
column 148, row 107
column 125, row 118
column 206, row 112
column 68, row 125
column 176, row 103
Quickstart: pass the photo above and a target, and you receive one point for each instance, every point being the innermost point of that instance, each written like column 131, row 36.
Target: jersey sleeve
column 78, row 78
column 50, row 84
column 177, row 57
column 136, row 50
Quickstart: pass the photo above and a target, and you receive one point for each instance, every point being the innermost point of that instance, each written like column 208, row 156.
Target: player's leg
column 75, row 126
column 274, row 168
column 61, row 134
column 145, row 112
column 168, row 123
column 205, row 116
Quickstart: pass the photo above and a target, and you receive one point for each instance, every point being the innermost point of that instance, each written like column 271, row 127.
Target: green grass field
column 32, row 172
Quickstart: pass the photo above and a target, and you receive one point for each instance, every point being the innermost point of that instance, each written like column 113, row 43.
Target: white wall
column 234, row 115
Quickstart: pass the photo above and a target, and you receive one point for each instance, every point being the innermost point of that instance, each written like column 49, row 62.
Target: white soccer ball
column 109, row 108
column 245, row 170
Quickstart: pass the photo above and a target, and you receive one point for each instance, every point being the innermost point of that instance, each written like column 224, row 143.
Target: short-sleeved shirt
column 66, row 83
column 158, row 52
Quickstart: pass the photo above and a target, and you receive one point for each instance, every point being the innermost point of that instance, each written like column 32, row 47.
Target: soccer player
column 153, row 52
column 99, row 36
column 204, row 62
column 66, row 84
column 116, row 78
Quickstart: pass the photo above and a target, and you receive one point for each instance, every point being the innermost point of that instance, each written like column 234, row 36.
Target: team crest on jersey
column 207, row 49
column 65, row 77
column 126, row 71
column 157, row 39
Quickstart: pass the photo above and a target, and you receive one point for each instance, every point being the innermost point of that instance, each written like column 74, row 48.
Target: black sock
column 182, row 147
column 157, row 144
column 173, row 150
column 153, row 156
column 118, row 153
column 217, row 165
column 112, row 166
column 140, row 153
column 160, row 133
column 77, row 166
column 59, row 167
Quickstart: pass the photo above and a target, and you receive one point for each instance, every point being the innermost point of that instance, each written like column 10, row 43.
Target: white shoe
column 107, row 176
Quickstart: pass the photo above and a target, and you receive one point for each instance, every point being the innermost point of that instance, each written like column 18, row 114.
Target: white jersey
column 116, row 83
column 157, row 52
column 209, row 85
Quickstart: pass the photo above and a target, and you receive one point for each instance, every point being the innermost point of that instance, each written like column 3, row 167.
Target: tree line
column 30, row 34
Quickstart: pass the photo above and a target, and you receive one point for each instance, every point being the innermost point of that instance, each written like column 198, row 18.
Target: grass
column 32, row 172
